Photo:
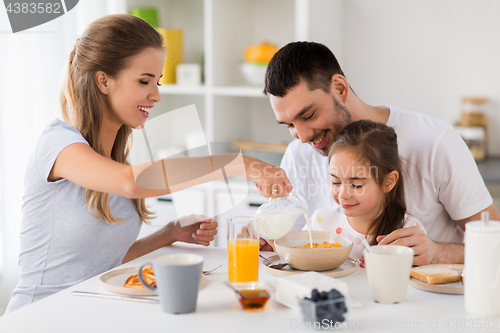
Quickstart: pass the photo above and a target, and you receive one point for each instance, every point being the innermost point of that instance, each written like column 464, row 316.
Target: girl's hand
column 195, row 229
column 426, row 251
column 267, row 245
column 362, row 262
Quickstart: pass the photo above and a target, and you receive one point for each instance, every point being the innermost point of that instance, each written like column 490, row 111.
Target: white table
column 219, row 311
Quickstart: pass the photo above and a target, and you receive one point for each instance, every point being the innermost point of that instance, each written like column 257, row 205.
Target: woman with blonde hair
column 82, row 208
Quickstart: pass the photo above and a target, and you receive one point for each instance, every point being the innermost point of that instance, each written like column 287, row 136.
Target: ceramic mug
column 482, row 268
column 177, row 281
column 388, row 268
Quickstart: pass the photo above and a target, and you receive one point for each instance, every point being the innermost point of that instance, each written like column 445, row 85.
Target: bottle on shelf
column 474, row 123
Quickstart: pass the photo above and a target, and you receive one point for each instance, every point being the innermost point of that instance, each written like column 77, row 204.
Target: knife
column 119, row 297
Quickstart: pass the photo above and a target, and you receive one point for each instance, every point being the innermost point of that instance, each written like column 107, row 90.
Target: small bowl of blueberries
column 324, row 310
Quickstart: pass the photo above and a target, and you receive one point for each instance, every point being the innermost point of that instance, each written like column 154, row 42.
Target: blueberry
column 323, row 296
column 341, row 307
column 334, row 294
column 314, row 295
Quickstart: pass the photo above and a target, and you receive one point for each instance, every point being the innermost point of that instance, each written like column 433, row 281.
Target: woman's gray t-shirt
column 61, row 243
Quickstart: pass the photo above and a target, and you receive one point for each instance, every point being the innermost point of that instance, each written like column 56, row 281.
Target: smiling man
column 310, row 94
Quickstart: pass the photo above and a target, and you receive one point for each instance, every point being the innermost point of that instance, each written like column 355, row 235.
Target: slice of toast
column 435, row 274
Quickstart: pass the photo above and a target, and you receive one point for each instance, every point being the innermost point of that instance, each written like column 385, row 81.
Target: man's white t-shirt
column 442, row 181
column 333, row 220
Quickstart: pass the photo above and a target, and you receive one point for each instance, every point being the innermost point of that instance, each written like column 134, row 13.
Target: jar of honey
column 474, row 139
column 473, row 112
column 473, row 116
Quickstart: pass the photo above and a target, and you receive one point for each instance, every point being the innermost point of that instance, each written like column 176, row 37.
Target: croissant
column 147, row 275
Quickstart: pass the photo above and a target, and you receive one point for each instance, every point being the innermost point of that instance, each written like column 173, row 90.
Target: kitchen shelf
column 490, row 169
column 241, row 91
column 216, row 33
column 174, row 89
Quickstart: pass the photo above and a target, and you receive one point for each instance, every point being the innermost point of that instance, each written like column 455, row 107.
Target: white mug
column 388, row 268
column 482, row 268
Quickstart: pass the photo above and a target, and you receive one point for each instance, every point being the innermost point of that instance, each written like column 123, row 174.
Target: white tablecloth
column 219, row 311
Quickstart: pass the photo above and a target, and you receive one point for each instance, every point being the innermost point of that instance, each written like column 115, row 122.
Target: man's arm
column 426, row 250
column 494, row 215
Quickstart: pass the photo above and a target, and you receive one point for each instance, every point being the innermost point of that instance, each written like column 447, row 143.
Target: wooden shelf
column 241, row 91
column 238, row 91
column 174, row 89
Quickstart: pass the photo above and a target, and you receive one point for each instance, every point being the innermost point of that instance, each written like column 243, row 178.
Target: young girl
column 367, row 184
column 82, row 208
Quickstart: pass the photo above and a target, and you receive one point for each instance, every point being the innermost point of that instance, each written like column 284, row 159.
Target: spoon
column 271, row 265
column 210, row 271
column 485, row 217
column 365, row 243
column 234, row 289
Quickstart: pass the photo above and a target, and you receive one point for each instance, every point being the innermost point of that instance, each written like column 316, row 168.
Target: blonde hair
column 106, row 45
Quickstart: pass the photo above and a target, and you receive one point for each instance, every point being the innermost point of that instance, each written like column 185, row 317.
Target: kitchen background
column 421, row 55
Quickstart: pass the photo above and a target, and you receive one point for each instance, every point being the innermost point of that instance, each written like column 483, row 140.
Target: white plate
column 114, row 281
column 456, row 288
column 348, row 267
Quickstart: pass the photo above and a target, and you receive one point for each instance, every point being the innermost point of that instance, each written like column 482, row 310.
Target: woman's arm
column 81, row 165
column 202, row 233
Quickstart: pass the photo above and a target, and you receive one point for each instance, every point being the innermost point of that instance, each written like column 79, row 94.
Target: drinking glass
column 243, row 249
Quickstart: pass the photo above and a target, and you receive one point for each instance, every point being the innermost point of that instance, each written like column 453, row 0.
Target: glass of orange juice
column 243, row 250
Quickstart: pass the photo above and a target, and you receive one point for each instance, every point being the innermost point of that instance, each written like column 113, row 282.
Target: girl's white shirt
column 333, row 220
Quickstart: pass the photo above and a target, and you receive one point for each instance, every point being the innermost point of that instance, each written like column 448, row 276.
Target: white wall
column 424, row 55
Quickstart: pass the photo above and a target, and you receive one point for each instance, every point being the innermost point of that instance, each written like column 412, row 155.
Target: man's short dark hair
column 309, row 61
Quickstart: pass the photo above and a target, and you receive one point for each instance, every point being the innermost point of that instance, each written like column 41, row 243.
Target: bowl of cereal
column 329, row 251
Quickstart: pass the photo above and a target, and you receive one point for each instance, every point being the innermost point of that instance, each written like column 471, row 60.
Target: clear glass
column 276, row 217
column 328, row 314
column 242, row 249
column 253, row 296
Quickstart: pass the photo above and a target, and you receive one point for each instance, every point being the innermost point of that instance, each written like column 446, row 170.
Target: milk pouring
column 276, row 217
column 276, row 224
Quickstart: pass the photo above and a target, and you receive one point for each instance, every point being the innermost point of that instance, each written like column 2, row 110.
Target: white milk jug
column 276, row 217
column 482, row 268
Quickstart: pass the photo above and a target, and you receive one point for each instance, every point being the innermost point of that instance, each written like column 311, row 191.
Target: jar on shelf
column 473, row 116
column 473, row 112
column 475, row 138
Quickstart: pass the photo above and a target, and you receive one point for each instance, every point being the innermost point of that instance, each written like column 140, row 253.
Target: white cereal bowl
column 315, row 259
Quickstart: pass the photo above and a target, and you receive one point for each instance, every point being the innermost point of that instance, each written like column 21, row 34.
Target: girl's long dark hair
column 377, row 145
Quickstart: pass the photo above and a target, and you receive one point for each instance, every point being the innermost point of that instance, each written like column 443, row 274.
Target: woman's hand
column 195, row 229
column 271, row 181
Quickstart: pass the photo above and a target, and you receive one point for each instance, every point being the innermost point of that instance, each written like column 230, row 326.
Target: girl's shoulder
column 412, row 221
